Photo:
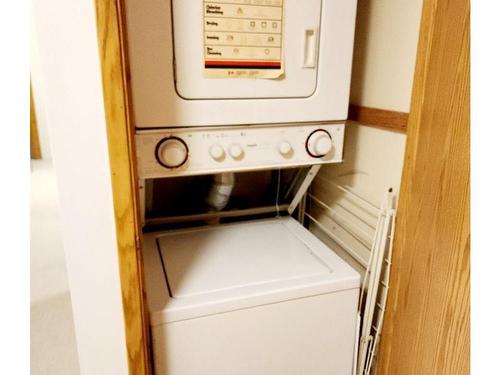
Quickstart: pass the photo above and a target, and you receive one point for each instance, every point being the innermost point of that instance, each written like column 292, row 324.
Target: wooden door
column 427, row 322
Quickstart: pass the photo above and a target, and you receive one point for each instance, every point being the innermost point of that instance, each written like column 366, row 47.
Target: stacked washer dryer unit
column 230, row 86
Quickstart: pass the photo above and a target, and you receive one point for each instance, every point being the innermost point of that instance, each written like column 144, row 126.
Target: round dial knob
column 319, row 143
column 172, row 152
column 217, row 152
column 285, row 148
column 236, row 151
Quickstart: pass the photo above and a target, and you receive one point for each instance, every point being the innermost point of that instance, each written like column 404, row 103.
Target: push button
column 236, row 152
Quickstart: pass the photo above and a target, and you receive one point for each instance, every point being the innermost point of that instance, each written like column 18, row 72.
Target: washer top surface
column 228, row 257
column 203, row 271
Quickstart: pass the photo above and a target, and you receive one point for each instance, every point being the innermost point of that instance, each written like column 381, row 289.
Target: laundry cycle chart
column 243, row 39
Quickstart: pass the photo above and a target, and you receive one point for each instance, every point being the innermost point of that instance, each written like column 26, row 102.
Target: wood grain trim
column 380, row 118
column 427, row 328
column 110, row 18
column 35, row 149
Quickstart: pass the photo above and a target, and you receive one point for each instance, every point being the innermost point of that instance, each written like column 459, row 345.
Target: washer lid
column 210, row 260
column 204, row 271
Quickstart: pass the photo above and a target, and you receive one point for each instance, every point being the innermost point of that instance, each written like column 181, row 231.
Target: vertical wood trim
column 110, row 16
column 35, row 149
column 427, row 327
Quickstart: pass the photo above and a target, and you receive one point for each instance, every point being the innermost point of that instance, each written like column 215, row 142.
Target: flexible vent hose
column 220, row 192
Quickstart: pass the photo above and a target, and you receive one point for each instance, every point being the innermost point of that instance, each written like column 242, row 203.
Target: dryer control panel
column 194, row 151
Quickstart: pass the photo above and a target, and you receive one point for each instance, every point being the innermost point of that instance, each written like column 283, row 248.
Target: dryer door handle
column 311, row 44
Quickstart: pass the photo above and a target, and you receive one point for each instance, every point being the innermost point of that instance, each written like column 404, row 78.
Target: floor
column 53, row 344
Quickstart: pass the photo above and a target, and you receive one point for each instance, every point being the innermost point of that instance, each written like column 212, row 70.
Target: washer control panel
column 194, row 151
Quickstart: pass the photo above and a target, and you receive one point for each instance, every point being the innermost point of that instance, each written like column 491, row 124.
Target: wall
column 385, row 53
column 73, row 101
column 384, row 62
column 383, row 66
column 373, row 162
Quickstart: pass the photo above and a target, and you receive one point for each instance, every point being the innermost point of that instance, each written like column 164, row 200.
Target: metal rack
column 374, row 236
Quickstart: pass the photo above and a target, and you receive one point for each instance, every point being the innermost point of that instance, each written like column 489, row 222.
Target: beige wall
column 373, row 162
column 68, row 61
column 384, row 62
column 385, row 53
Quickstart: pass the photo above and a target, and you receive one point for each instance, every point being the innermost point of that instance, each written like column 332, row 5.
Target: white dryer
column 262, row 297
column 239, row 62
column 272, row 77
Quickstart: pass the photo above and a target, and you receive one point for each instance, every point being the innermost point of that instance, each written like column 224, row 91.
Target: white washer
column 262, row 297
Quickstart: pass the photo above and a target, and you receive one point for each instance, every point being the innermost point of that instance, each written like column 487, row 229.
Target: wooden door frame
column 436, row 133
column 35, row 147
column 110, row 22
column 426, row 328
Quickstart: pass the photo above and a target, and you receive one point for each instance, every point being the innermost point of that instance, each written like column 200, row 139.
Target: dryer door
column 235, row 49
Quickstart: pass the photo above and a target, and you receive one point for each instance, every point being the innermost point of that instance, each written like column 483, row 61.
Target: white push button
column 217, row 152
column 285, row 148
column 236, row 151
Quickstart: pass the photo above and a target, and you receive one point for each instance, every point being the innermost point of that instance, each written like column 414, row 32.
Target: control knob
column 172, row 152
column 319, row 143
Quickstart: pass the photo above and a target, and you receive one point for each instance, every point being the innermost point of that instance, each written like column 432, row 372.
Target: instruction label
column 243, row 39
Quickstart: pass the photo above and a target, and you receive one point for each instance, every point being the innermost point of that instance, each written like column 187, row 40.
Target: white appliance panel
column 299, row 81
column 156, row 100
column 313, row 335
column 226, row 149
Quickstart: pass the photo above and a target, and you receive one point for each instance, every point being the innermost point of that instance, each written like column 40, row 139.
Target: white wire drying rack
column 374, row 237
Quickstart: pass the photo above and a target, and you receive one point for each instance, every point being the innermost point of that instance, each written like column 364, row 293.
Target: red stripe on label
column 244, row 63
